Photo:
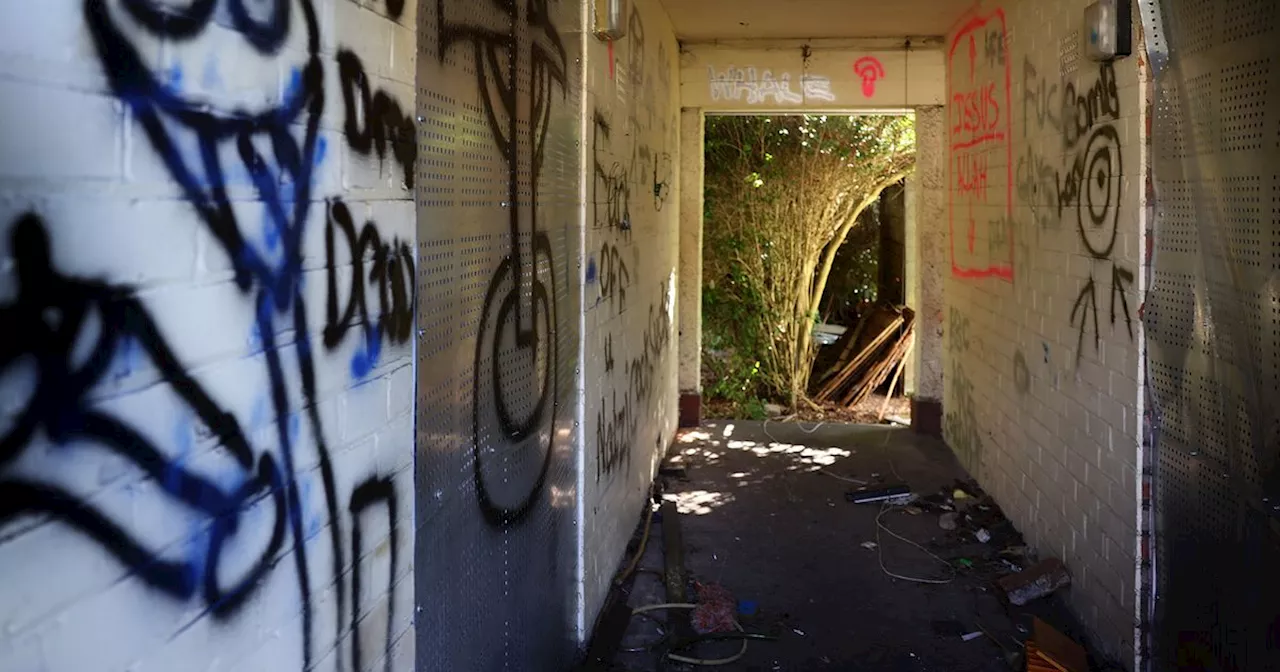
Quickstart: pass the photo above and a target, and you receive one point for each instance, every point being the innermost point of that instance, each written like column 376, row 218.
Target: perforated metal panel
column 499, row 207
column 1213, row 327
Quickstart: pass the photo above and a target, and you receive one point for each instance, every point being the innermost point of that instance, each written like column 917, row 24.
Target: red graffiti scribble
column 870, row 70
column 980, row 131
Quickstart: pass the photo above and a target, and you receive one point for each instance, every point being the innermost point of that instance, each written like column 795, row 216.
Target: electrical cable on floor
column 644, row 539
column 798, row 425
column 706, row 662
column 885, row 508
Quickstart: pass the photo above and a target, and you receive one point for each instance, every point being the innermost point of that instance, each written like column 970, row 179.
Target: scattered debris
column 949, row 521
column 965, row 562
column 747, row 607
column 982, row 535
column 798, row 631
column 959, row 494
column 913, row 510
column 1035, row 582
column 1053, row 651
column 870, row 545
column 715, row 610
column 969, row 637
column 888, row 493
column 877, row 348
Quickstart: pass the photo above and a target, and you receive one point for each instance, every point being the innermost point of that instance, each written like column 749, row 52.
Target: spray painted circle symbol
column 1100, row 191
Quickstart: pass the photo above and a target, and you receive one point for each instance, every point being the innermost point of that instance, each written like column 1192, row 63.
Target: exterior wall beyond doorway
column 1042, row 392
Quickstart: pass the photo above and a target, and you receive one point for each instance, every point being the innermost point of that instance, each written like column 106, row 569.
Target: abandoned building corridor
column 348, row 335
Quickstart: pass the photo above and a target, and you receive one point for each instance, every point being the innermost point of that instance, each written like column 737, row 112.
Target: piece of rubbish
column 959, row 494
column 913, row 510
column 798, row 631
column 747, row 607
column 892, row 492
column 982, row 535
column 965, row 562
column 969, row 637
column 1053, row 651
column 869, row 545
column 1035, row 582
column 948, row 521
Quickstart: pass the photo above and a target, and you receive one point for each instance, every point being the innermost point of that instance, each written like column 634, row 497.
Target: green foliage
column 782, row 195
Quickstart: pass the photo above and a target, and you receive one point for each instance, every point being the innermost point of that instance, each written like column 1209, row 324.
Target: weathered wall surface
column 1042, row 395
column 810, row 77
column 207, row 290
column 632, row 247
column 927, row 258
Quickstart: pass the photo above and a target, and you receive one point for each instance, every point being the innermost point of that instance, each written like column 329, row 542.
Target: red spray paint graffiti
column 871, row 71
column 980, row 132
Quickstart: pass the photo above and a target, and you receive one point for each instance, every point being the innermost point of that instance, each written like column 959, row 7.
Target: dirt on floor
column 766, row 514
column 872, row 410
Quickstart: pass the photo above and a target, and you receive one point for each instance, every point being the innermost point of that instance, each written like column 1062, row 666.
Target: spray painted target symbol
column 1099, row 208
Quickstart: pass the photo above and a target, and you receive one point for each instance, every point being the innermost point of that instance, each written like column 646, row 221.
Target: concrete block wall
column 630, row 304
column 1043, row 335
column 207, row 254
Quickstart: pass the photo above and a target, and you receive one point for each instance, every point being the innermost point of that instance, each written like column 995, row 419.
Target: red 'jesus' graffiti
column 979, row 132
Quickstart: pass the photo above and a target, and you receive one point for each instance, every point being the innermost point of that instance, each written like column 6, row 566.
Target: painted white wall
column 1043, row 396
column 630, row 296
column 181, row 413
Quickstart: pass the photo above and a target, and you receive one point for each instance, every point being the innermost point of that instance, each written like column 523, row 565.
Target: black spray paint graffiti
column 960, row 424
column 1091, row 185
column 525, row 42
column 371, row 493
column 618, row 420
column 611, row 189
column 1021, row 374
column 395, row 8
column 53, row 314
column 662, row 169
column 615, row 278
column 391, row 273
column 375, row 122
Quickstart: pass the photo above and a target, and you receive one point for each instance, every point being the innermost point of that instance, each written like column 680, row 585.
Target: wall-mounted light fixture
column 1108, row 30
column 611, row 19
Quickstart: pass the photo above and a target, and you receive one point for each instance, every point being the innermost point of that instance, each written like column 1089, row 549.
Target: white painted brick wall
column 75, row 155
column 1057, row 442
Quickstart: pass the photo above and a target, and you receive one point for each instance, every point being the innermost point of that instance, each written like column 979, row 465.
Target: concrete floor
column 764, row 517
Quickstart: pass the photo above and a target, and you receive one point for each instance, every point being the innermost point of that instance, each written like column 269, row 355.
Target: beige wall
column 1042, row 395
column 777, row 76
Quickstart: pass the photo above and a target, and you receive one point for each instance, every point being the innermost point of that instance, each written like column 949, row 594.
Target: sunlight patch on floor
column 698, row 502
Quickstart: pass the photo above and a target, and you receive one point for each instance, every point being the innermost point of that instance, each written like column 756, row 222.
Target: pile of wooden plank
column 868, row 354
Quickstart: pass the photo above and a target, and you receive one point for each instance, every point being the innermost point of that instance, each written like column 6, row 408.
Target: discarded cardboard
column 1052, row 651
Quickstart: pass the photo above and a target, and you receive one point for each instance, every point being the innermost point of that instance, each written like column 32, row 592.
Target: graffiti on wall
column 518, row 321
column 620, row 419
column 375, row 124
column 760, row 86
column 980, row 134
column 960, row 423
column 633, row 172
column 72, row 328
column 870, row 70
column 1085, row 191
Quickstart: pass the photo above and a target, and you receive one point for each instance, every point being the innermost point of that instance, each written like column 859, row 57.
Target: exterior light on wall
column 1108, row 30
column 611, row 19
